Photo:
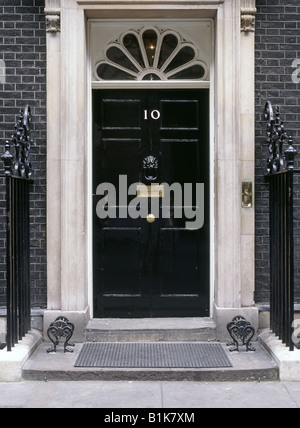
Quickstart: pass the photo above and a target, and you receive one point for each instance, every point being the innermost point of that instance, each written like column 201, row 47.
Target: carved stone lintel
column 52, row 20
column 248, row 19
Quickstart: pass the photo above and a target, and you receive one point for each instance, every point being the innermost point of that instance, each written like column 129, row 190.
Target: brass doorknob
column 151, row 218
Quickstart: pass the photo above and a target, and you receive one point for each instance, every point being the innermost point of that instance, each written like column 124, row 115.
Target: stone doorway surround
column 69, row 133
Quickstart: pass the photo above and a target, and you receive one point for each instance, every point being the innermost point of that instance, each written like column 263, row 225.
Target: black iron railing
column 282, row 255
column 18, row 184
column 280, row 174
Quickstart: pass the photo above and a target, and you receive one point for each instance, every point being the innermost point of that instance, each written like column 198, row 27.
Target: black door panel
column 159, row 269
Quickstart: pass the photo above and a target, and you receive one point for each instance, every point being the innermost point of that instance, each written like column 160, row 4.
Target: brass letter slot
column 153, row 191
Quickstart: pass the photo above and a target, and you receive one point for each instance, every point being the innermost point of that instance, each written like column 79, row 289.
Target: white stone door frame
column 68, row 252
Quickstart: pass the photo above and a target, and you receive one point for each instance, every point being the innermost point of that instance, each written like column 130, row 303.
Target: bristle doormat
column 153, row 355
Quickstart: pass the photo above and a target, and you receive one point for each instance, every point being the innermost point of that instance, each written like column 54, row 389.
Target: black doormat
column 153, row 355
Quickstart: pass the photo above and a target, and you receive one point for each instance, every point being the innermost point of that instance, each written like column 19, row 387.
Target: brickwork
column 22, row 81
column 277, row 47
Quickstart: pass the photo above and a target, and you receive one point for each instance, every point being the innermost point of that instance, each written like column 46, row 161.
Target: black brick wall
column 23, row 48
column 277, row 46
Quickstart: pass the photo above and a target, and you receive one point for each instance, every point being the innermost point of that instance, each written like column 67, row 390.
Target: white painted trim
column 119, row 84
column 113, row 3
column 212, row 159
column 89, row 178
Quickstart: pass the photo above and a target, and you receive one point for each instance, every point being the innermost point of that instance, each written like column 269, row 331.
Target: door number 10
column 154, row 114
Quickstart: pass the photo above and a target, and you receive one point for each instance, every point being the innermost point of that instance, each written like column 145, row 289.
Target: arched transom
column 151, row 54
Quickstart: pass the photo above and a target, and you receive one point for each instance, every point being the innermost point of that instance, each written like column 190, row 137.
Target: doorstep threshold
column 151, row 329
column 111, row 324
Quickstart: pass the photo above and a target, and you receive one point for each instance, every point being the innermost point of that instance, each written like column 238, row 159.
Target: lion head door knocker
column 150, row 167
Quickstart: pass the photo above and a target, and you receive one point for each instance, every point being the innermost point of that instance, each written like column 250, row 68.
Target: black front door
column 151, row 227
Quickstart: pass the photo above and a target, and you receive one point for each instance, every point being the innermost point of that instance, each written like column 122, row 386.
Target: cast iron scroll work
column 150, row 167
column 241, row 330
column 276, row 138
column 61, row 328
column 19, row 165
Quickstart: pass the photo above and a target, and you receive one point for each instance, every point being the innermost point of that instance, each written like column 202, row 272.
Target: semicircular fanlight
column 132, row 45
column 194, row 71
column 150, row 39
column 168, row 46
column 110, row 72
column 151, row 76
column 150, row 54
column 117, row 56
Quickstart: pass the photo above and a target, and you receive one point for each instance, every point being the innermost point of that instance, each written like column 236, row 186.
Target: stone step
column 246, row 366
column 151, row 330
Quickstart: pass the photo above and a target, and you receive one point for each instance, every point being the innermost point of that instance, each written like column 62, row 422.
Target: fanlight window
column 151, row 54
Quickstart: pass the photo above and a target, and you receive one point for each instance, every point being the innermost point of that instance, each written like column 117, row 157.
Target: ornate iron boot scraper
column 240, row 329
column 61, row 328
